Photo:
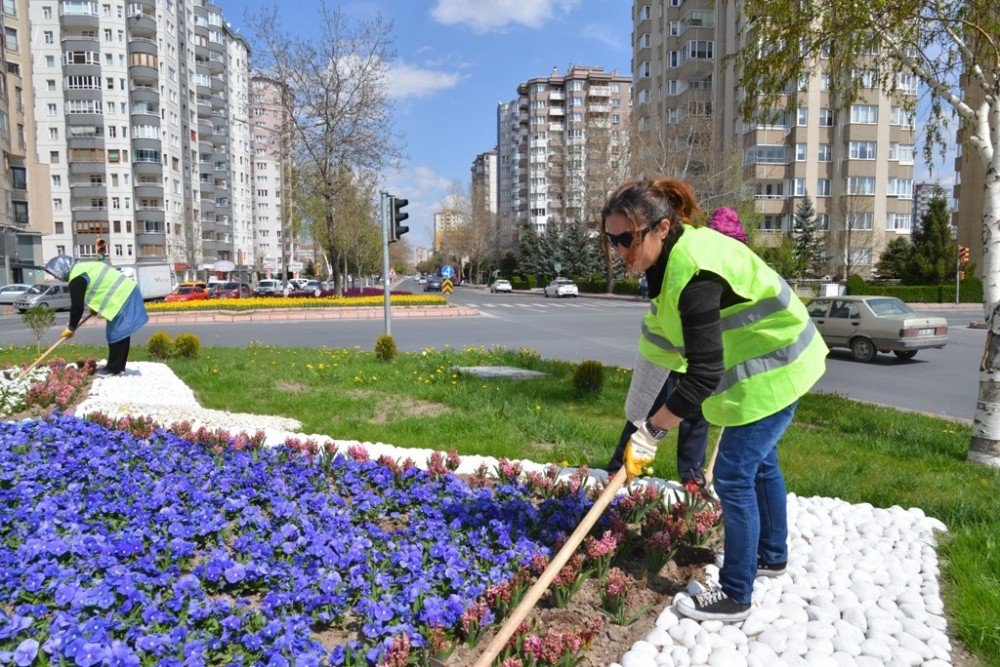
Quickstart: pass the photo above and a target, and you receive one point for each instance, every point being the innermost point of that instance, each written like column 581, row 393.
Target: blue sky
column 457, row 58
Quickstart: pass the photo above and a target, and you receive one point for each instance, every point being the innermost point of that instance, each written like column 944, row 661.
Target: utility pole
column 385, row 202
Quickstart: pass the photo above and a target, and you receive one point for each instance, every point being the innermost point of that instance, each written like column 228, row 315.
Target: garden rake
column 48, row 351
column 538, row 589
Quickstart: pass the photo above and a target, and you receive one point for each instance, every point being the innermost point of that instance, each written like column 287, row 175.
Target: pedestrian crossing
column 556, row 305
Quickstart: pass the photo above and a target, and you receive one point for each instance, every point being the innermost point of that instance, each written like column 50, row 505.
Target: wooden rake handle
column 538, row 589
column 49, row 351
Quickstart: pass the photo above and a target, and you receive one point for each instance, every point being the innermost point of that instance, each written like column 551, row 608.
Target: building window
column 902, row 117
column 825, row 153
column 823, row 187
column 48, row 37
column 10, row 39
column 865, row 114
column 800, row 152
column 902, row 153
column 800, row 187
column 861, row 185
column 900, row 187
column 54, row 157
column 862, row 150
column 900, row 222
column 860, row 220
column 823, row 222
column 802, row 116
column 46, row 12
column 826, row 118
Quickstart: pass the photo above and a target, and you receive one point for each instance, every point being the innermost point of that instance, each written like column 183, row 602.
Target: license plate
column 925, row 332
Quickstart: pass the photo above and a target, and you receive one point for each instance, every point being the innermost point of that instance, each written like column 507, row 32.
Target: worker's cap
column 60, row 266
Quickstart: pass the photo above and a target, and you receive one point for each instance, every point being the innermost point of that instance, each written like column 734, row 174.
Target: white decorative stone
column 876, row 649
column 659, row 638
column 699, row 655
column 638, row 659
column 754, row 625
column 644, row 647
column 667, row 618
column 727, row 657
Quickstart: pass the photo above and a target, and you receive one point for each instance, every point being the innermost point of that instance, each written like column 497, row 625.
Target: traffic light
column 961, row 276
column 102, row 249
column 398, row 215
column 963, row 254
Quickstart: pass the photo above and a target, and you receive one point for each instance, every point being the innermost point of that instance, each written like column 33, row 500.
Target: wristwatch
column 655, row 431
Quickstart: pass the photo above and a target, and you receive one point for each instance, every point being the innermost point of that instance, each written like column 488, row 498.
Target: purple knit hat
column 727, row 221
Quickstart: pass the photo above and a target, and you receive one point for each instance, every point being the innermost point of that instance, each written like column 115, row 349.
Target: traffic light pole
column 958, row 272
column 386, row 203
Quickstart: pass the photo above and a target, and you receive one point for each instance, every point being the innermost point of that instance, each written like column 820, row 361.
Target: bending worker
column 108, row 293
column 747, row 350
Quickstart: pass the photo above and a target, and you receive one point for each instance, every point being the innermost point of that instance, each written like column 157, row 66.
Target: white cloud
column 484, row 16
column 411, row 81
column 602, row 35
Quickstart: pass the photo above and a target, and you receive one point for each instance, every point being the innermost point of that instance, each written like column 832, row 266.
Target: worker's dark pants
column 692, row 438
column 118, row 355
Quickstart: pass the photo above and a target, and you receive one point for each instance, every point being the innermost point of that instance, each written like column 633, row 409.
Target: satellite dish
column 224, row 265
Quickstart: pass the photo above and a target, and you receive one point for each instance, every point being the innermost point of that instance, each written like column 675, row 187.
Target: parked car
column 313, row 288
column 421, row 280
column 233, row 290
column 50, row 295
column 433, row 284
column 269, row 287
column 11, row 293
column 187, row 293
column 562, row 287
column 193, row 283
column 868, row 325
column 501, row 285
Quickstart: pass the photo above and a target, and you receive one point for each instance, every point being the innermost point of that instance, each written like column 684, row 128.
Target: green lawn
column 835, row 447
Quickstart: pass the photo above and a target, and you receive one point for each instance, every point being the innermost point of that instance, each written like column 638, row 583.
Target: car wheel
column 862, row 349
column 905, row 355
column 546, row 293
column 43, row 305
column 316, row 293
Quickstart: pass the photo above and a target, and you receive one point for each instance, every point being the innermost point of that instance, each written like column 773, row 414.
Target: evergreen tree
column 895, row 258
column 579, row 252
column 529, row 252
column 784, row 257
column 932, row 261
column 550, row 251
column 808, row 245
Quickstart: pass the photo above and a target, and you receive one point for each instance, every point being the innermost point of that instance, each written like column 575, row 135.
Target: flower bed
column 56, row 383
column 144, row 546
column 271, row 302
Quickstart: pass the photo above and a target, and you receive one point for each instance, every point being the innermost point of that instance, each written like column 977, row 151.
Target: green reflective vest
column 772, row 352
column 108, row 289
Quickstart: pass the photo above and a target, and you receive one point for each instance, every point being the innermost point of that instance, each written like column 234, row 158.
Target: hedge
column 970, row 291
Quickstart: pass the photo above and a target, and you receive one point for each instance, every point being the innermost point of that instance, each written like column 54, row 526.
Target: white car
column 10, row 293
column 561, row 287
column 501, row 285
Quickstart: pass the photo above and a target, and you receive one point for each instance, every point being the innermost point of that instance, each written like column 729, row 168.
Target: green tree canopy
column 932, row 261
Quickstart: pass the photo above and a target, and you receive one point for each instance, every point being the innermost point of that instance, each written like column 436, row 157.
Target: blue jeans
column 754, row 501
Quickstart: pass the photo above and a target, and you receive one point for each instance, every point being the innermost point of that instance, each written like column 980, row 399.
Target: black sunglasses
column 625, row 239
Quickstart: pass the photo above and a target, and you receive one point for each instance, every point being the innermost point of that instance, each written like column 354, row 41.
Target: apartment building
column 445, row 221
column 856, row 166
column 547, row 138
column 970, row 191
column 134, row 106
column 484, row 182
column 269, row 126
column 923, row 193
column 25, row 213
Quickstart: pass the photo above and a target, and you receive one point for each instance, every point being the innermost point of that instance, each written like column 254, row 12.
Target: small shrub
column 39, row 319
column 856, row 284
column 159, row 345
column 385, row 348
column 589, row 377
column 188, row 346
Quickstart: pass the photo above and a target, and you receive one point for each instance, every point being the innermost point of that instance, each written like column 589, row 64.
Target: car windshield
column 889, row 306
column 564, row 281
column 186, row 290
column 230, row 286
column 37, row 289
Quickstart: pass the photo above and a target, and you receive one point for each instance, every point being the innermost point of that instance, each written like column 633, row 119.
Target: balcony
column 90, row 213
column 81, row 19
column 600, row 91
column 154, row 215
column 141, row 72
column 147, row 94
column 147, row 143
column 76, row 168
column 142, row 45
column 141, row 23
column 147, row 167
column 145, row 190
column 80, row 43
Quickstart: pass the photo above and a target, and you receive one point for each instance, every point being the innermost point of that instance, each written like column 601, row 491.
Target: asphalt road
column 943, row 382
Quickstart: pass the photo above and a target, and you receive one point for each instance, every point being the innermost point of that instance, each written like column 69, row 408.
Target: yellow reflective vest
column 771, row 351
column 108, row 289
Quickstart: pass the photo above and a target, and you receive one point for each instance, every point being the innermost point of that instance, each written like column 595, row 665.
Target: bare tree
column 851, row 234
column 474, row 239
column 339, row 110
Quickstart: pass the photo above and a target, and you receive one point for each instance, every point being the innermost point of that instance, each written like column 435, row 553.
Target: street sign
column 446, row 285
column 557, row 266
column 447, row 271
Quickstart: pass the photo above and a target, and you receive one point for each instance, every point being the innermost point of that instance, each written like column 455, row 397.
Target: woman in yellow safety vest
column 747, row 351
column 109, row 294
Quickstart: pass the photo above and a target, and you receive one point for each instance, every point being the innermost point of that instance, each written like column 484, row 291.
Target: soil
column 290, row 387
column 37, row 412
column 652, row 595
column 387, row 407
